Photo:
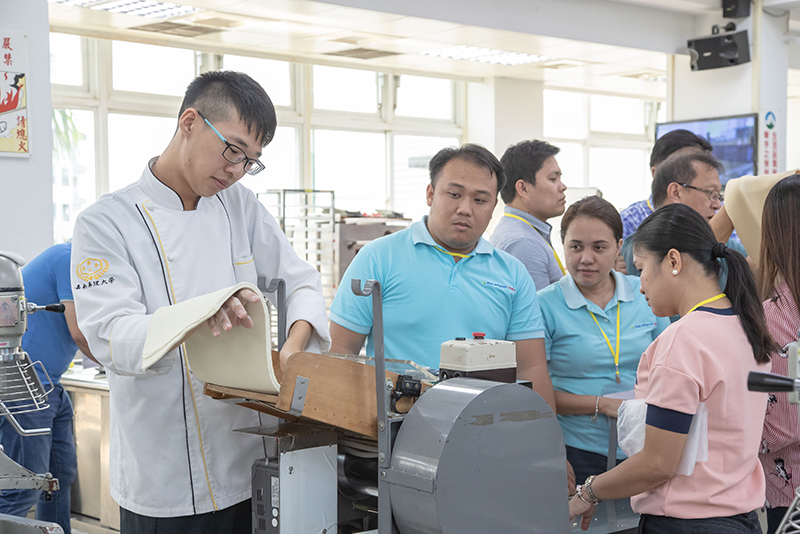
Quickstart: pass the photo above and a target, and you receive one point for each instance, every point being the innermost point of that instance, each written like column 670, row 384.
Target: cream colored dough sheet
column 239, row 358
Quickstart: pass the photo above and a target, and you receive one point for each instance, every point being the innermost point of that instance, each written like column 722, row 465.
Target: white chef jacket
column 173, row 451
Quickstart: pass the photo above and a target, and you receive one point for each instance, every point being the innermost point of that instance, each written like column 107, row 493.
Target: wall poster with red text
column 14, row 133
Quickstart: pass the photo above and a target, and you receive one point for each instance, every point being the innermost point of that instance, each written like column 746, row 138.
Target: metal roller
column 474, row 456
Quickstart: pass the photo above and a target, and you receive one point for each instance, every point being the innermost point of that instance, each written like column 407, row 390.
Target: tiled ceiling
column 307, row 31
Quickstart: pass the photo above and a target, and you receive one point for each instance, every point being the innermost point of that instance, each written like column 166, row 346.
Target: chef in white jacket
column 185, row 229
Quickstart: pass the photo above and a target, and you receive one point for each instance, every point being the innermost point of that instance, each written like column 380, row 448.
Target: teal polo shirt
column 579, row 359
column 429, row 298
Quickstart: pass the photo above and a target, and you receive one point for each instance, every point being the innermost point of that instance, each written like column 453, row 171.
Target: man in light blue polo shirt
column 441, row 280
column 533, row 194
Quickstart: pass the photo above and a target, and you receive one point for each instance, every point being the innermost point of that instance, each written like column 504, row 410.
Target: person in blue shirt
column 691, row 179
column 441, row 280
column 674, row 142
column 533, row 193
column 53, row 339
column 597, row 325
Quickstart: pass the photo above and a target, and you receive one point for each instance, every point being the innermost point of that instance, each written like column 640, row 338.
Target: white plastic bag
column 631, row 430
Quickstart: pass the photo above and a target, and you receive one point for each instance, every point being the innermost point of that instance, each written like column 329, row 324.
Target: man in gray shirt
column 533, row 193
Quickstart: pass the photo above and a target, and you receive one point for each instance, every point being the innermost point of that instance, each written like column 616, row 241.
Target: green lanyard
column 614, row 353
column 712, row 299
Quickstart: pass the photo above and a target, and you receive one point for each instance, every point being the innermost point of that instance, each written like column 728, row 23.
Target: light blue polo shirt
column 579, row 359
column 429, row 298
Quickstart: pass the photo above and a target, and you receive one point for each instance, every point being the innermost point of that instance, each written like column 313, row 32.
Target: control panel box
column 493, row 359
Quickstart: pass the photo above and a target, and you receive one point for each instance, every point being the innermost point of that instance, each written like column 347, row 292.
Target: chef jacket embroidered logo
column 91, row 269
column 501, row 286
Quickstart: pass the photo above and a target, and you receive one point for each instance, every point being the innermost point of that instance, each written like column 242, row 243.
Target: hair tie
column 718, row 250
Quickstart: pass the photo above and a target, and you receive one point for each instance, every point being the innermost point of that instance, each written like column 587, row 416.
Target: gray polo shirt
column 529, row 243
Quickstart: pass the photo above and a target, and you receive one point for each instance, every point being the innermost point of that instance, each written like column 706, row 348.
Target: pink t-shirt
column 705, row 357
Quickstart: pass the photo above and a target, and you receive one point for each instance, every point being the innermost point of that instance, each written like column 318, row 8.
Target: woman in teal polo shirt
column 597, row 325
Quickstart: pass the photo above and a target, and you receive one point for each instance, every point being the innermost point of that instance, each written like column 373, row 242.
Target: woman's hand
column 609, row 407
column 579, row 508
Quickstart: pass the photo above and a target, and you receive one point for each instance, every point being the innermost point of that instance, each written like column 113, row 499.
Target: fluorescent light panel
column 77, row 3
column 143, row 8
column 486, row 55
column 147, row 8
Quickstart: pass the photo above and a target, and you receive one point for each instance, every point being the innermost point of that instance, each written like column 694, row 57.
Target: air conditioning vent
column 173, row 28
column 362, row 53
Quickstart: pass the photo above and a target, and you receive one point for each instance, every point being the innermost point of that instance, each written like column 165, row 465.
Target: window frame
column 97, row 94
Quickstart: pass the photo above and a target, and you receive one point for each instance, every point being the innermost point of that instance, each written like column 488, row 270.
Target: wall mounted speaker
column 735, row 9
column 721, row 50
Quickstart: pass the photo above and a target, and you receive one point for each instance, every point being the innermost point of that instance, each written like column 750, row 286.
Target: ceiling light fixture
column 77, row 3
column 486, row 55
column 147, row 8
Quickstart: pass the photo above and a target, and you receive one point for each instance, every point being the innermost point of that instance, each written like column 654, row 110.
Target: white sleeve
column 108, row 296
column 275, row 258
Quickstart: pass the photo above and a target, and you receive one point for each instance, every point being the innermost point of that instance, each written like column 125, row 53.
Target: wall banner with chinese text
column 14, row 133
column 769, row 145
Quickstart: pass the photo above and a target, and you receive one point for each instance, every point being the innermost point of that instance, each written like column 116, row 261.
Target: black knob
column 769, row 383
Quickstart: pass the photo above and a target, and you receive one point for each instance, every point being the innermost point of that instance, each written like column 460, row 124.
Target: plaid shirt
column 633, row 215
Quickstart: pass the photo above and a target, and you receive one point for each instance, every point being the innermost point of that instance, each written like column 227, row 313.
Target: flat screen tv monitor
column 733, row 138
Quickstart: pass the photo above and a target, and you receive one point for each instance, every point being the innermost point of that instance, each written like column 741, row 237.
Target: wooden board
column 340, row 393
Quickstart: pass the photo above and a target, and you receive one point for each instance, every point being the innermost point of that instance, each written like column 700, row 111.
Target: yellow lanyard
column 712, row 299
column 560, row 266
column 451, row 253
column 649, row 206
column 614, row 353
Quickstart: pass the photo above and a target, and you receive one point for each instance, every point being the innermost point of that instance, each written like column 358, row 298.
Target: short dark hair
column 679, row 168
column 215, row 94
column 522, row 161
column 671, row 142
column 679, row 227
column 472, row 153
column 594, row 207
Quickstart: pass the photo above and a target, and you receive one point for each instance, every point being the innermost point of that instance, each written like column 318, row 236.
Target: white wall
column 598, row 21
column 502, row 112
column 26, row 190
column 793, row 134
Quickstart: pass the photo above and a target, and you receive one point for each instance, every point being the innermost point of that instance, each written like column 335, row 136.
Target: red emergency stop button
column 478, row 335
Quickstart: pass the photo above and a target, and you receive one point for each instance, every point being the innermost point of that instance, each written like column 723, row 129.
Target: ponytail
column 741, row 291
column 679, row 227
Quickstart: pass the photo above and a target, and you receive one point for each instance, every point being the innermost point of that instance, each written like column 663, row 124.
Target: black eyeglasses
column 713, row 196
column 234, row 154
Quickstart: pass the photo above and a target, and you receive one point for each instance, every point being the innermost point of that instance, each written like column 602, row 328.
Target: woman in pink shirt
column 779, row 282
column 704, row 357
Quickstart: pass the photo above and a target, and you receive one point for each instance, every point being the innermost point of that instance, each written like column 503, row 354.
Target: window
column 411, row 155
column 564, row 114
column 345, row 89
column 430, row 98
column 570, row 159
column 274, row 76
column 280, row 159
column 605, row 142
column 617, row 114
column 66, row 60
column 623, row 175
column 132, row 141
column 151, row 69
column 354, row 134
column 74, row 163
column 354, row 165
